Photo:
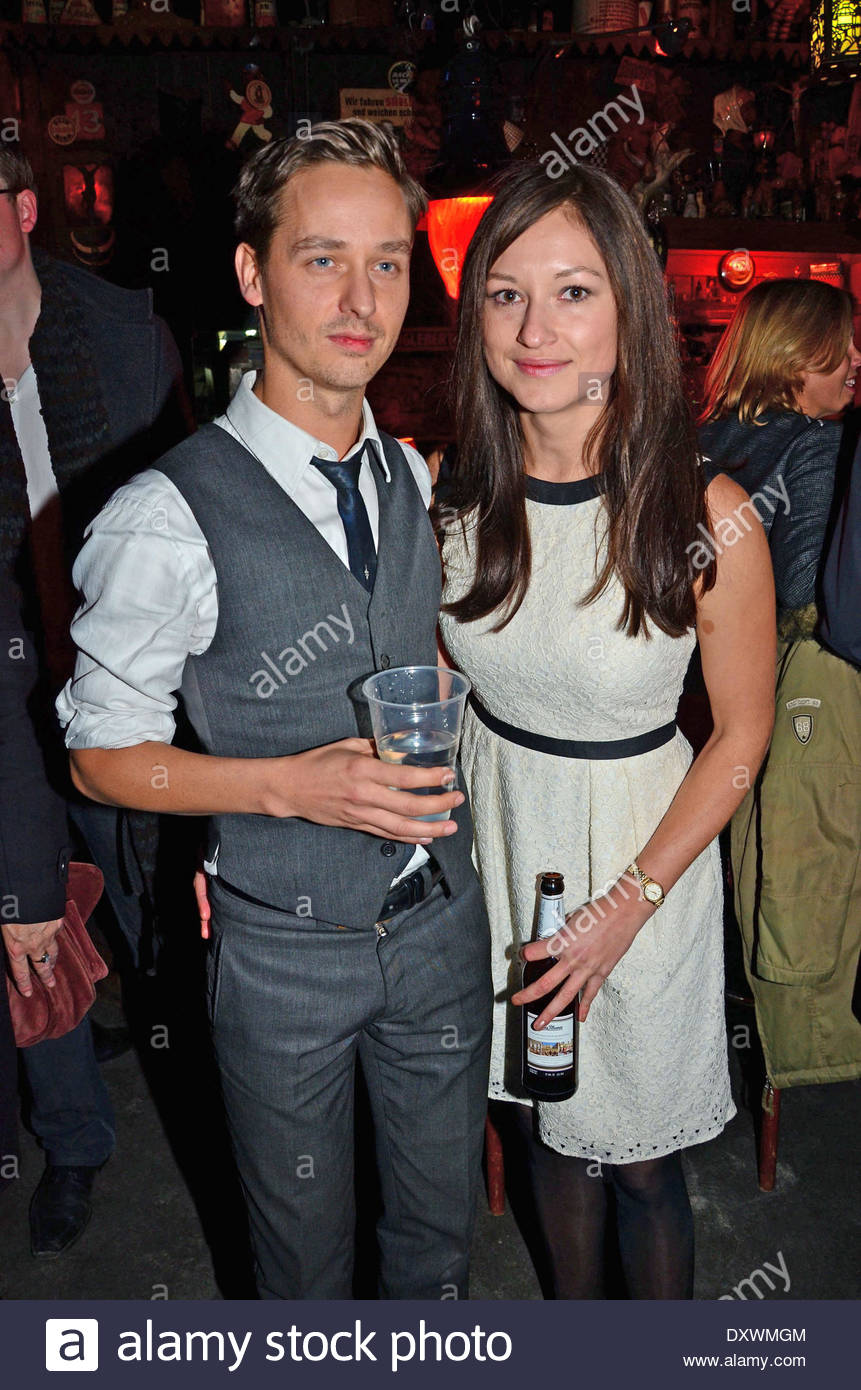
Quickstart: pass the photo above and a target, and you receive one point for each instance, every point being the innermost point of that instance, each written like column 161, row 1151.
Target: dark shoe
column 60, row 1209
column 109, row 1042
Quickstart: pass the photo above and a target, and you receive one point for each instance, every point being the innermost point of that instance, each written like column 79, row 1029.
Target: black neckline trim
column 564, row 494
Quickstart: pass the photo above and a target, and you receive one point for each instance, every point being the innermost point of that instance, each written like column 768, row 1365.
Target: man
column 840, row 627
column 33, row 847
column 266, row 579
column 90, row 393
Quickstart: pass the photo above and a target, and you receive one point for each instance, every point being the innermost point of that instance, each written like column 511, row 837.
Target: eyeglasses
column 13, row 192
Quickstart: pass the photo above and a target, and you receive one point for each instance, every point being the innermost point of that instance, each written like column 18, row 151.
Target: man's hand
column 31, row 941
column 344, row 784
column 204, row 911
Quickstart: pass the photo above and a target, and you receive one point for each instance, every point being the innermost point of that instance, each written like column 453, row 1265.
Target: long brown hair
column 643, row 441
column 780, row 329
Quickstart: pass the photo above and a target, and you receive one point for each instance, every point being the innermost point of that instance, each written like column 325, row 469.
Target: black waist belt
column 411, row 890
column 576, row 747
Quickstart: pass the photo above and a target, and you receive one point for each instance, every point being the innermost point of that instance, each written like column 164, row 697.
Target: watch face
column 652, row 892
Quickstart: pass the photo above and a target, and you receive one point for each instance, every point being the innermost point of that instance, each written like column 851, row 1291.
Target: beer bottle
column 549, row 1056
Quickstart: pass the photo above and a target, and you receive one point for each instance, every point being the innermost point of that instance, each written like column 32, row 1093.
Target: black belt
column 411, row 890
column 575, row 747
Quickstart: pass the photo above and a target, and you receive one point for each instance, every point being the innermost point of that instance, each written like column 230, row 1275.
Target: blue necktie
column 361, row 551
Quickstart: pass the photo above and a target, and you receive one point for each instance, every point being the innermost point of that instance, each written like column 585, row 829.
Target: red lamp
column 451, row 223
column 88, row 192
column 736, row 269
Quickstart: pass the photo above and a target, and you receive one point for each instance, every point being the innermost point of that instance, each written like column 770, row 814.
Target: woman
column 576, row 573
column 785, row 363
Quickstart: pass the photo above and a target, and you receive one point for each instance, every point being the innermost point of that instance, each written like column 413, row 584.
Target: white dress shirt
column 148, row 582
column 26, row 410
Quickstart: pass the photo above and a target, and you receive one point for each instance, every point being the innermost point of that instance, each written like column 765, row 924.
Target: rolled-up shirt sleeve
column 149, row 601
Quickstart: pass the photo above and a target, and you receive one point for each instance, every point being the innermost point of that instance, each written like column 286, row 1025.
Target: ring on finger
column 44, row 959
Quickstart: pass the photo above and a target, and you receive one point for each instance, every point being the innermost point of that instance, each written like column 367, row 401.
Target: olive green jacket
column 796, row 855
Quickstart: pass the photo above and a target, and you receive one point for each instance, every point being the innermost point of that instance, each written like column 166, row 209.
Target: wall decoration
column 729, row 109
column 376, row 104
column 424, row 134
column 88, row 192
column 402, row 75
column 86, row 112
column 255, row 102
column 225, row 13
column 62, row 130
column 79, row 12
column 634, row 73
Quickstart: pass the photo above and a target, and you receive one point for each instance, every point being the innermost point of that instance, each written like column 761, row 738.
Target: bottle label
column 551, row 1049
column 551, row 917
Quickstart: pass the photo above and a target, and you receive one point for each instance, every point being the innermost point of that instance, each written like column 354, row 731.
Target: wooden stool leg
column 495, row 1169
column 769, row 1136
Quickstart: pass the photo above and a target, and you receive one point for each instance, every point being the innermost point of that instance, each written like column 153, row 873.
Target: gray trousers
column 293, row 1002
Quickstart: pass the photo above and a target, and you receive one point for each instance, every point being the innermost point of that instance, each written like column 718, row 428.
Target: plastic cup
column 416, row 716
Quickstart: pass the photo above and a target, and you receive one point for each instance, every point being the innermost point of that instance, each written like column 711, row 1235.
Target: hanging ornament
column 835, row 40
column 728, row 107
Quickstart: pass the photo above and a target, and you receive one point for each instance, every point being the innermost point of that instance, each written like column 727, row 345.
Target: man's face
column 17, row 220
column 335, row 284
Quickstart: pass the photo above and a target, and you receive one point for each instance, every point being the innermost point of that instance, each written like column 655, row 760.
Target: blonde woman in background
column 783, row 371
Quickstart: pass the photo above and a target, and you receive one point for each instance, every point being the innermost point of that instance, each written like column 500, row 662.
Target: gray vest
column 296, row 636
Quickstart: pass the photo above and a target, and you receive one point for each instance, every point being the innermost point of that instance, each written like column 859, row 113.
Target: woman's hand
column 593, row 941
column 25, row 945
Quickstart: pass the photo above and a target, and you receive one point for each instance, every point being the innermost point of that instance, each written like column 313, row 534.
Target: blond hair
column 263, row 178
column 781, row 328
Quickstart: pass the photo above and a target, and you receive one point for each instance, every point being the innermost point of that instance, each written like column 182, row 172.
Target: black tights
column 654, row 1220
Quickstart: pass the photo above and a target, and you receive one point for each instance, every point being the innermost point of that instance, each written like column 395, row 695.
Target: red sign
column 89, row 120
column 63, row 130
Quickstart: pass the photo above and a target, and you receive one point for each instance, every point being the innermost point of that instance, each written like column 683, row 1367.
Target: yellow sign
column 376, row 104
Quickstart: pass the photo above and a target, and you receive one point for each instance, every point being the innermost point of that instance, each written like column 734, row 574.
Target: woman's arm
column 736, row 630
column 737, row 634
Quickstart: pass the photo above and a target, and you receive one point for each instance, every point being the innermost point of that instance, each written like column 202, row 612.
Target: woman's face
column 827, row 393
column 549, row 321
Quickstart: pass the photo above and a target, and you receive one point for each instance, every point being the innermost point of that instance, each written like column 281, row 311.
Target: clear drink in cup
column 416, row 715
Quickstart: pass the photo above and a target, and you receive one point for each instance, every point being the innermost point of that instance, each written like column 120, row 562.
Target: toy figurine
column 256, row 104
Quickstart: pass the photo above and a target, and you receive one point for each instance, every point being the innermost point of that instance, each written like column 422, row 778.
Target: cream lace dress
column 653, row 1073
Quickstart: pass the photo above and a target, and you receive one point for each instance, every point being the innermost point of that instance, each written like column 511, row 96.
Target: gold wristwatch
column 651, row 891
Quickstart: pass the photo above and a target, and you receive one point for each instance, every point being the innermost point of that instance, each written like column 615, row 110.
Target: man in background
column 91, row 394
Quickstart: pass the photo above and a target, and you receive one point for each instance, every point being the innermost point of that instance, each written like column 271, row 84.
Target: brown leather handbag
column 50, row 1013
